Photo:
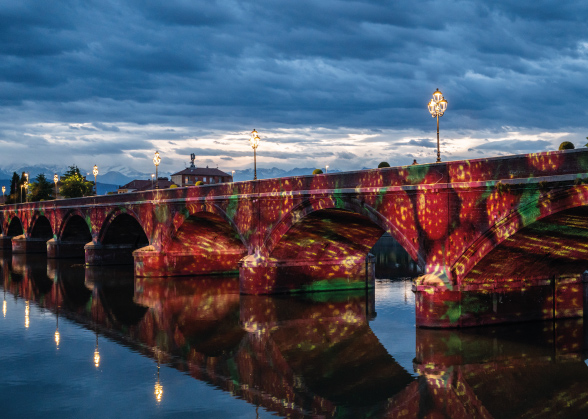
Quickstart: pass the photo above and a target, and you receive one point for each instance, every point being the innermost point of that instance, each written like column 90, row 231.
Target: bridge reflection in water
column 314, row 354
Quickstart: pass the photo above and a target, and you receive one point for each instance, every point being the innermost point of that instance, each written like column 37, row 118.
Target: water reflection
column 310, row 355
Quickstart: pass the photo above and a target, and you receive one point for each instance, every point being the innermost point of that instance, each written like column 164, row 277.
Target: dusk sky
column 324, row 82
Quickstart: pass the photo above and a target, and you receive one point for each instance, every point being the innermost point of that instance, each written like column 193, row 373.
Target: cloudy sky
column 343, row 83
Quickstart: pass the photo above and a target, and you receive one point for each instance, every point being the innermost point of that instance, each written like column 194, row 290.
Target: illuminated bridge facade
column 499, row 239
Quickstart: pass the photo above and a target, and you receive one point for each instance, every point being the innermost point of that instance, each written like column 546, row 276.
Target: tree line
column 71, row 185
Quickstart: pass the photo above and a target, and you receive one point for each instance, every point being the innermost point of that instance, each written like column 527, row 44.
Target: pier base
column 61, row 250
column 5, row 243
column 438, row 306
column 258, row 275
column 97, row 254
column 151, row 263
column 22, row 244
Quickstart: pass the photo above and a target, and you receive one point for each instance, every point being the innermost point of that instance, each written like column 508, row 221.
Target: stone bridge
column 498, row 239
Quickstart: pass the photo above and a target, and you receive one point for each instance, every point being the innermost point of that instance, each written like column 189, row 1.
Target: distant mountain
column 274, row 172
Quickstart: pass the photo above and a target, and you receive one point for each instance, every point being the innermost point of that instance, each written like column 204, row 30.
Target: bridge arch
column 546, row 210
column 210, row 211
column 202, row 242
column 74, row 227
column 353, row 205
column 123, row 228
column 40, row 227
column 15, row 227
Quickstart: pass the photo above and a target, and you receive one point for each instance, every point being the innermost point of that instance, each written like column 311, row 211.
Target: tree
column 383, row 164
column 14, row 195
column 74, row 185
column 566, row 145
column 317, row 172
column 42, row 189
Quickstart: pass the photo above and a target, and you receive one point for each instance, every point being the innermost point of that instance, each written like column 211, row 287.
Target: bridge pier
column 57, row 249
column 5, row 242
column 151, row 263
column 98, row 254
column 259, row 275
column 438, row 306
column 22, row 244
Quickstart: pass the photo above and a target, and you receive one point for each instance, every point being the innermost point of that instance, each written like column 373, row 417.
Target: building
column 193, row 174
column 138, row 185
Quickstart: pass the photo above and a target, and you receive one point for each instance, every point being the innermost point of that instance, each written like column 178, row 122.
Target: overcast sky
column 343, row 83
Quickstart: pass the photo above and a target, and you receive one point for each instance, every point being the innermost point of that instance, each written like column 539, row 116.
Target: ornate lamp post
column 26, row 186
column 327, row 169
column 95, row 173
column 55, row 179
column 254, row 141
column 156, row 161
column 437, row 107
column 152, row 180
column 21, row 186
column 3, row 190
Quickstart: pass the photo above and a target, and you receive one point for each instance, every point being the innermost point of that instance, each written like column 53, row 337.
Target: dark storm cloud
column 423, row 142
column 228, row 64
column 514, row 146
column 345, row 155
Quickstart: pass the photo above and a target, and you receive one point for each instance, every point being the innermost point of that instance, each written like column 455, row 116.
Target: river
column 97, row 343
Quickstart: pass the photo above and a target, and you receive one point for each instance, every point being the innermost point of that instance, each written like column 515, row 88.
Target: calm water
column 79, row 342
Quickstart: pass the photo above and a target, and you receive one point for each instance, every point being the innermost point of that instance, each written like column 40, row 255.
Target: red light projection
column 311, row 233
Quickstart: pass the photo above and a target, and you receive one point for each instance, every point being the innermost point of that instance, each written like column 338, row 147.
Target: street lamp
column 437, row 107
column 26, row 186
column 3, row 190
column 254, row 141
column 21, row 186
column 156, row 161
column 327, row 169
column 232, row 176
column 55, row 179
column 95, row 173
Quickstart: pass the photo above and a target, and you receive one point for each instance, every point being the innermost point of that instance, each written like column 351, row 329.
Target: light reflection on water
column 155, row 348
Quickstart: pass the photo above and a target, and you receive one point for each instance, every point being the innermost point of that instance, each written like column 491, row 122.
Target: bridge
column 499, row 239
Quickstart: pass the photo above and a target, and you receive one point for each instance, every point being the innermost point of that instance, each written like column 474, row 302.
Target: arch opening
column 15, row 228
column 42, row 229
column 74, row 235
column 125, row 230
column 328, row 249
column 555, row 246
column 392, row 260
column 328, row 233
column 208, row 232
column 76, row 230
column 122, row 236
column 204, row 244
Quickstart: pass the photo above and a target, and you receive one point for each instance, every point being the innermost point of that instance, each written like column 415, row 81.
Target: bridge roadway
column 499, row 239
